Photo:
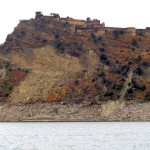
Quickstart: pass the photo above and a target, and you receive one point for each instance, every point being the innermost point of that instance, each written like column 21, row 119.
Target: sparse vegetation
column 134, row 42
column 139, row 59
column 118, row 86
column 9, row 88
column 102, row 49
column 9, row 69
column 6, row 94
column 76, row 82
column 108, row 94
column 94, row 38
column 145, row 64
column 12, row 76
column 57, row 36
column 117, row 33
column 60, row 46
column 147, row 97
column 139, row 71
column 26, row 70
column 130, row 91
column 118, row 52
column 103, row 57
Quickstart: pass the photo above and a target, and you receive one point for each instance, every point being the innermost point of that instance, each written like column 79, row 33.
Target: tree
column 55, row 15
column 88, row 19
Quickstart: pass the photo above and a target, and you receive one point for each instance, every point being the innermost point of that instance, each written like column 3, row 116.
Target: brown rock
column 63, row 90
column 52, row 97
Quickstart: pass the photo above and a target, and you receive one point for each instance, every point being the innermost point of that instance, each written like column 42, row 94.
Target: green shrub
column 25, row 70
column 118, row 86
column 134, row 42
column 60, row 46
column 1, row 85
column 108, row 94
column 76, row 82
column 139, row 71
column 6, row 95
column 5, row 82
column 94, row 38
column 9, row 69
column 138, row 87
column 102, row 49
column 56, row 36
column 139, row 59
column 147, row 97
column 103, row 57
column 117, row 33
column 130, row 91
column 117, row 62
column 9, row 88
column 145, row 64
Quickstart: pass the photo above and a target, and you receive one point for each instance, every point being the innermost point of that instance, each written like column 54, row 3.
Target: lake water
column 75, row 136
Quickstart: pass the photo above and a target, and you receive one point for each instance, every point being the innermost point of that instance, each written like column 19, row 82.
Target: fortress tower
column 38, row 15
column 147, row 31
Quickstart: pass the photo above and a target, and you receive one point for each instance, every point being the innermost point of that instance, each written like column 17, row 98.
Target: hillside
column 82, row 64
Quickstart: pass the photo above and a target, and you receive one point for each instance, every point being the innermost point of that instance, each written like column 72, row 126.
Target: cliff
column 65, row 61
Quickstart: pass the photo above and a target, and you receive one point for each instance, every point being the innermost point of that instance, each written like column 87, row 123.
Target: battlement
column 71, row 21
column 130, row 30
column 97, row 28
column 76, row 22
column 93, row 22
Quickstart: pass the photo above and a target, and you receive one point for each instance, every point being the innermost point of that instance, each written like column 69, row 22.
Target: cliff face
column 77, row 62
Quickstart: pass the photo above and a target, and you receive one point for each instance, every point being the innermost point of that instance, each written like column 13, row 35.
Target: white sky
column 117, row 13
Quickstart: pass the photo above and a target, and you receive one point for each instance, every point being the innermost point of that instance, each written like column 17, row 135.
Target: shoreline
column 56, row 112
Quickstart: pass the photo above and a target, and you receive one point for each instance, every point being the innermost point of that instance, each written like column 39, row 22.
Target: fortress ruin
column 82, row 27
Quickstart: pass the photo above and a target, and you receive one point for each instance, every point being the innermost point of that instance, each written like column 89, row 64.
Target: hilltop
column 81, row 64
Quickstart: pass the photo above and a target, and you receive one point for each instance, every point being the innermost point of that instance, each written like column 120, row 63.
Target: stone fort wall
column 91, row 25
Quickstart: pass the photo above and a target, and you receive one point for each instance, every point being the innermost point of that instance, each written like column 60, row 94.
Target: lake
column 75, row 136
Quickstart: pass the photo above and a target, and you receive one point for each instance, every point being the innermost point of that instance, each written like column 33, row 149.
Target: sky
column 115, row 13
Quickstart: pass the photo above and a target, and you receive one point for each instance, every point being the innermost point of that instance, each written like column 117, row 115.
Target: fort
column 89, row 26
